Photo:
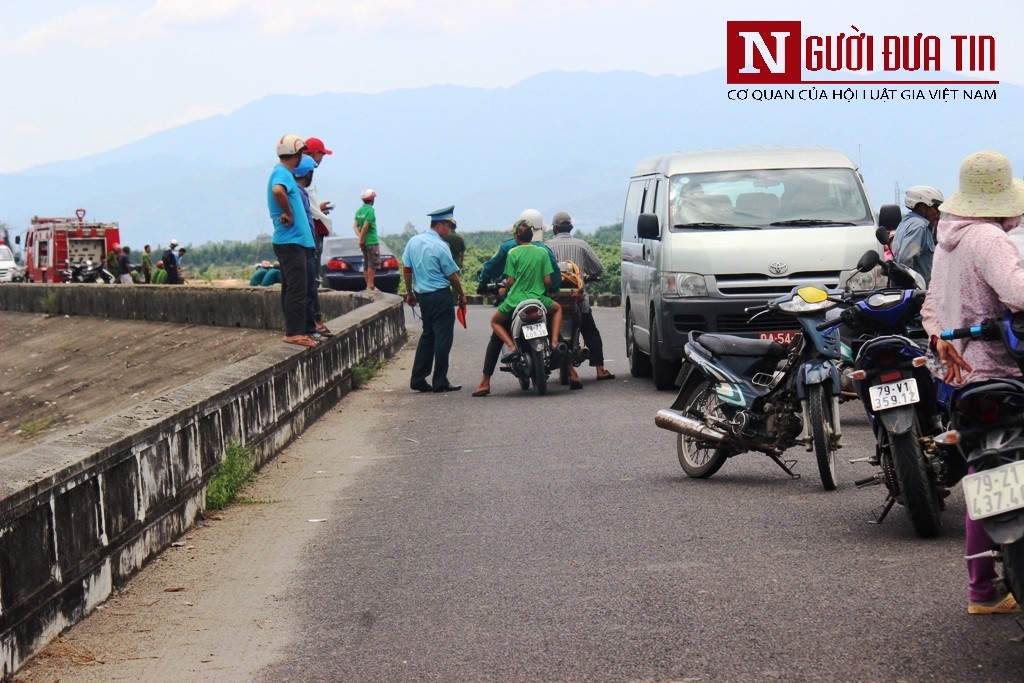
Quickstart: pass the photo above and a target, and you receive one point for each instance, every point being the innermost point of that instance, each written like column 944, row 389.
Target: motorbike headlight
column 807, row 300
column 883, row 300
column 862, row 282
column 682, row 285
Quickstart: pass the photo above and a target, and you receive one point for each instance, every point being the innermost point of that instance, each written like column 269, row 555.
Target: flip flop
column 481, row 392
column 573, row 386
column 300, row 340
column 604, row 377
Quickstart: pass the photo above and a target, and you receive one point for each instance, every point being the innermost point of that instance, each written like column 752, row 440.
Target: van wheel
column 639, row 363
column 663, row 370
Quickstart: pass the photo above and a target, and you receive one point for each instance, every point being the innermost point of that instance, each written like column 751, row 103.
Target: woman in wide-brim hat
column 977, row 274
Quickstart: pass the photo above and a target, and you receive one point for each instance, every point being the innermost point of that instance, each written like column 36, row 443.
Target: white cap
column 174, row 242
column 289, row 144
column 533, row 215
column 368, row 194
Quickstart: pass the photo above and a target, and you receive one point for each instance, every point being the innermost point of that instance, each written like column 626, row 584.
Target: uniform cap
column 445, row 214
column 174, row 242
column 264, row 264
column 316, row 145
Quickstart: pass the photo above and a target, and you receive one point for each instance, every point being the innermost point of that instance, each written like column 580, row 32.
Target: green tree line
column 235, row 259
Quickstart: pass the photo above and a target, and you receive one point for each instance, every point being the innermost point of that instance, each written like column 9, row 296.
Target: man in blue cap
column 430, row 274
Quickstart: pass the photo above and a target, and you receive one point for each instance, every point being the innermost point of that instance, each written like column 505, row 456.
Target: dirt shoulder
column 60, row 372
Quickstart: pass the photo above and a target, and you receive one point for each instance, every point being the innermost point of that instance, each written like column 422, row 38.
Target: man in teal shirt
column 430, row 274
column 366, row 229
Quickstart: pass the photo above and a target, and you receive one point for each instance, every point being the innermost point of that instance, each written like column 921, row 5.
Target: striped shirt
column 568, row 248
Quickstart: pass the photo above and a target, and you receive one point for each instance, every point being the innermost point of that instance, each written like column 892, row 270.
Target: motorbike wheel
column 540, row 373
column 822, row 436
column 698, row 459
column 639, row 363
column 1013, row 568
column 920, row 497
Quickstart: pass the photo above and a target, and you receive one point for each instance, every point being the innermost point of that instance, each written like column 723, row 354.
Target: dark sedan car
column 341, row 266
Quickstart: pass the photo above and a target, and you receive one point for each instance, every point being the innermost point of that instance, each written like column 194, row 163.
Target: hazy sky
column 79, row 77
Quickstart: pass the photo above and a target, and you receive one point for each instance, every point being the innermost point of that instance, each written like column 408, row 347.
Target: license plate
column 535, row 330
column 781, row 337
column 894, row 394
column 995, row 491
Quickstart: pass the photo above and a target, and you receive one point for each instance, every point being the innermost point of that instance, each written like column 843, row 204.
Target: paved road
column 518, row 537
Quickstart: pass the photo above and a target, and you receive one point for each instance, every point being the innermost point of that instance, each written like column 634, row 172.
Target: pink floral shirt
column 976, row 274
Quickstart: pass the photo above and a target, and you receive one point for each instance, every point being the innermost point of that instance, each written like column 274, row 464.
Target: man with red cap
column 321, row 222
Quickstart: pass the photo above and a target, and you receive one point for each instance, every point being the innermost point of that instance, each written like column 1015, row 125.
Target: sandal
column 300, row 340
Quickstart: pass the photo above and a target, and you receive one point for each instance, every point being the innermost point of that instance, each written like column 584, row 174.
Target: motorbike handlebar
column 821, row 327
column 756, row 309
column 972, row 332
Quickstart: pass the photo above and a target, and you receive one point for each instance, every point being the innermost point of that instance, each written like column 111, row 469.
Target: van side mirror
column 647, row 227
column 889, row 216
column 17, row 239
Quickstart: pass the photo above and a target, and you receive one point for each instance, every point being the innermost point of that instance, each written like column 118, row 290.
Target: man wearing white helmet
column 914, row 243
column 170, row 260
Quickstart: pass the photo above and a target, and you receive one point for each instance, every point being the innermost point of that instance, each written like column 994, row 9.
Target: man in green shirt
column 529, row 274
column 457, row 245
column 159, row 275
column 366, row 229
column 147, row 263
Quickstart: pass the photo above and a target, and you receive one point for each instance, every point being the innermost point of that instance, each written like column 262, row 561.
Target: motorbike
column 987, row 428
column 535, row 358
column 892, row 379
column 738, row 394
column 86, row 272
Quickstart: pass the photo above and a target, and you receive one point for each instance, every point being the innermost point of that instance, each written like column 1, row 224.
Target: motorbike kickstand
column 880, row 517
column 785, row 465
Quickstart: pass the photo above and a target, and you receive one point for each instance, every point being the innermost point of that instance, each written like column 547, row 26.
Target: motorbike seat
column 728, row 345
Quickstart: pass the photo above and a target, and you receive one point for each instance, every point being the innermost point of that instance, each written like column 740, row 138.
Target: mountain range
column 555, row 141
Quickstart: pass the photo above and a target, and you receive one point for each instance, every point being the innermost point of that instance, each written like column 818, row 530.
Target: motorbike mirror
column 889, row 216
column 882, row 235
column 868, row 261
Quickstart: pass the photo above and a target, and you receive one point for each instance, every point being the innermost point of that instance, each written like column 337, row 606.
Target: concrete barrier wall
column 82, row 514
column 256, row 307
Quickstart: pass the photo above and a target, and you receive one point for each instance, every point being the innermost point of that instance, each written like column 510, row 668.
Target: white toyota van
column 708, row 233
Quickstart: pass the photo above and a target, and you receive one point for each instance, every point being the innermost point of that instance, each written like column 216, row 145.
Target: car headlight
column 862, row 282
column 682, row 285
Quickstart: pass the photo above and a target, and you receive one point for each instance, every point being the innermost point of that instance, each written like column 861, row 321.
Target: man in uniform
column 568, row 248
column 457, row 245
column 430, row 275
column 147, row 263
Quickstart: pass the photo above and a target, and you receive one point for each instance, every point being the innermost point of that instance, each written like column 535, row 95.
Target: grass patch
column 32, row 428
column 365, row 371
column 236, row 470
column 50, row 302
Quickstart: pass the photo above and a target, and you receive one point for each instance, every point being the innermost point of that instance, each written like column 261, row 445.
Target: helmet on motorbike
column 572, row 276
column 922, row 194
column 535, row 219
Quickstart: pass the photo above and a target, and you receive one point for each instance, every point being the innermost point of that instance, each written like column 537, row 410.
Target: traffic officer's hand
column 462, row 300
column 410, row 298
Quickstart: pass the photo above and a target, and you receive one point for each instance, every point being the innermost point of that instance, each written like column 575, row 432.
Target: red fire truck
column 51, row 242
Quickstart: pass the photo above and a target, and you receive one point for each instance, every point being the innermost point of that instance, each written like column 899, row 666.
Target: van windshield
column 5, row 253
column 767, row 198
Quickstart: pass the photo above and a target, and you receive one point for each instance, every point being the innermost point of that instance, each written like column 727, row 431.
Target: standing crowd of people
column 169, row 270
